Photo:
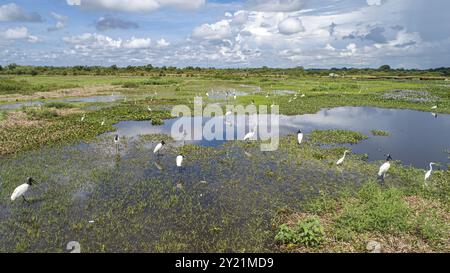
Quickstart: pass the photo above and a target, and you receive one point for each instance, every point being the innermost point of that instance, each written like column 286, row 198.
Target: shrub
column 308, row 232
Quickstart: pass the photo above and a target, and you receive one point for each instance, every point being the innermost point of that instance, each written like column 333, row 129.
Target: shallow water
column 416, row 138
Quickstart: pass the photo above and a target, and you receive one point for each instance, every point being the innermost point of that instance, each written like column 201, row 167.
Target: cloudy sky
column 226, row 33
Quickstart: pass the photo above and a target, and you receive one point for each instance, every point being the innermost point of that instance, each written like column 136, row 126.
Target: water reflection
column 416, row 138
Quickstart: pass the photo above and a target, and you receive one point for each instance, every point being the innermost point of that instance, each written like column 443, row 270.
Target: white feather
column 249, row 135
column 157, row 148
column 299, row 138
column 19, row 191
column 179, row 160
column 384, row 168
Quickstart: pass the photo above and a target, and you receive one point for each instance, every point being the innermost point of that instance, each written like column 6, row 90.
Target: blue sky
column 252, row 33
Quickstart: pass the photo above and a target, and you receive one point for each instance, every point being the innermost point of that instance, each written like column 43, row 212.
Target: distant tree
column 1, row 68
column 12, row 66
column 384, row 67
column 113, row 67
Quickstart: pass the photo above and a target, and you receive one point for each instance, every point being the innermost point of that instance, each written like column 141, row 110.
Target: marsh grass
column 335, row 136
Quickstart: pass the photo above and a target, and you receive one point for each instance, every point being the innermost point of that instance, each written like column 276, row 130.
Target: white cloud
column 135, row 5
column 136, row 43
column 61, row 21
column 218, row 31
column 290, row 26
column 276, row 5
column 12, row 12
column 16, row 33
column 374, row 2
column 162, row 43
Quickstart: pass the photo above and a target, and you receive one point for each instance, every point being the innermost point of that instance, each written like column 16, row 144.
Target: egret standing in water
column 341, row 160
column 434, row 115
column 22, row 189
column 159, row 147
column 179, row 160
column 299, row 136
column 428, row 173
column 384, row 168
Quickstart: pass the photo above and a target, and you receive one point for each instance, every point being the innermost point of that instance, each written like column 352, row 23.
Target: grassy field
column 294, row 199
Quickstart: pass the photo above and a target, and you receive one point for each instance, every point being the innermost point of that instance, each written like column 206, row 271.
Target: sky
column 226, row 33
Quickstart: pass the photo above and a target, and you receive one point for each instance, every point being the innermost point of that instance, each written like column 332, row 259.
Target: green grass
column 335, row 136
column 58, row 105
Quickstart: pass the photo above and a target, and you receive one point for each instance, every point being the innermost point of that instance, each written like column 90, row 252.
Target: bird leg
column 24, row 199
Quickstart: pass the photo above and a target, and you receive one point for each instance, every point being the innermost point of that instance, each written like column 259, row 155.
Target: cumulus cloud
column 61, row 21
column 16, row 33
column 137, row 43
column 12, row 12
column 162, row 43
column 218, row 31
column 276, row 5
column 135, row 5
column 290, row 26
column 88, row 41
column 19, row 33
column 109, row 22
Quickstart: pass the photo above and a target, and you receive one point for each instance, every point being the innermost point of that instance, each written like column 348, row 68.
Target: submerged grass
column 379, row 133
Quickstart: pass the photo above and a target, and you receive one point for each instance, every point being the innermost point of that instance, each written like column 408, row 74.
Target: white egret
column 299, row 137
column 434, row 115
column 384, row 167
column 303, row 95
column 207, row 94
column 434, row 107
column 228, row 113
column 428, row 173
column 179, row 160
column 341, row 160
column 22, row 189
column 149, row 109
column 159, row 147
column 234, row 96
column 103, row 122
column 249, row 135
column 83, row 117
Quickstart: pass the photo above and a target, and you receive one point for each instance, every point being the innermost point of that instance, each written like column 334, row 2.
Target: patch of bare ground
column 85, row 91
column 19, row 118
column 69, row 111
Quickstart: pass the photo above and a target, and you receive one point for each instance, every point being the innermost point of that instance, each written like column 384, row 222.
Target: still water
column 416, row 138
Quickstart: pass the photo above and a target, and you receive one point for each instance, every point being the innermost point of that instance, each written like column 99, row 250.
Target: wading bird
column 341, row 160
column 303, row 95
column 83, row 117
column 249, row 135
column 299, row 136
column 434, row 115
column 179, row 160
column 384, row 168
column 434, row 107
column 159, row 147
column 103, row 122
column 22, row 189
column 428, row 173
column 149, row 109
column 117, row 142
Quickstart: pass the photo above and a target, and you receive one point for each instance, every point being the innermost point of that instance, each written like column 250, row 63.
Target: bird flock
column 20, row 190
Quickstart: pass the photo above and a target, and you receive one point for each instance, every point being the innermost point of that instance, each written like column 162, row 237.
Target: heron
column 341, row 160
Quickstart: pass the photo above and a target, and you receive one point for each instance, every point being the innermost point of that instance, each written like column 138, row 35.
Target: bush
column 308, row 232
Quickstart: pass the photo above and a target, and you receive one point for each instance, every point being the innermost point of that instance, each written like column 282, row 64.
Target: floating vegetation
column 379, row 133
column 335, row 136
column 410, row 95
